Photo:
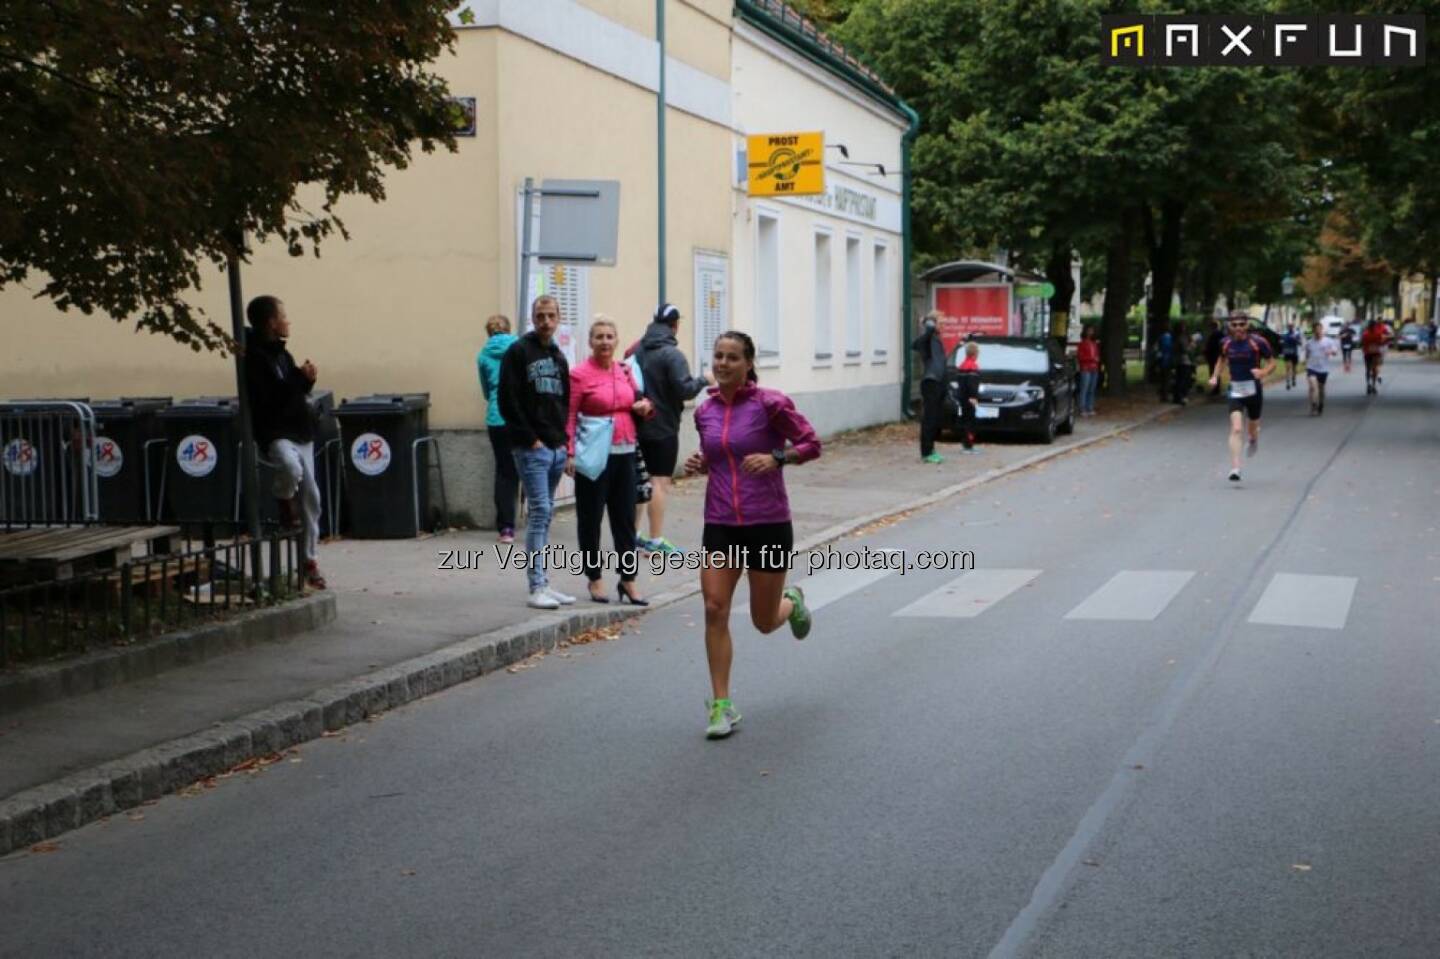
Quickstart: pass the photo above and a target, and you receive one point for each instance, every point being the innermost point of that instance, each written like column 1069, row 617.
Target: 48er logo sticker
column 370, row 454
column 21, row 457
column 197, row 456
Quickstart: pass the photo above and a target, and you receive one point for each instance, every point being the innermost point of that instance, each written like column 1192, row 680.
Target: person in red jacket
column 1087, row 357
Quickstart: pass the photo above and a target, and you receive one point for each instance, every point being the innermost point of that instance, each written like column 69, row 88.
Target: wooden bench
column 62, row 553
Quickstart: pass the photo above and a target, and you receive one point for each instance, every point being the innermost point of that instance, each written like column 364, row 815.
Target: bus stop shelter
column 988, row 299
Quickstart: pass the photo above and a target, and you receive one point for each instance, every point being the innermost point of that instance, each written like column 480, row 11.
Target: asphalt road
column 1165, row 715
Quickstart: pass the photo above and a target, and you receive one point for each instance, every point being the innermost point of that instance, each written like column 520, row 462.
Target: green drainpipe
column 762, row 19
column 907, row 243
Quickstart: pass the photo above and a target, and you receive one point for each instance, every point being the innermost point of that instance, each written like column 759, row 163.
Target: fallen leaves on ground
column 44, row 847
column 884, row 522
column 597, row 634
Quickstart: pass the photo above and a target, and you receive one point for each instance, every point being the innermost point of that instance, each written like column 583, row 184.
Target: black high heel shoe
column 627, row 598
column 601, row 598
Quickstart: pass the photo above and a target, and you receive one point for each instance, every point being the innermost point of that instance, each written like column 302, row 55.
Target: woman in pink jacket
column 601, row 387
column 743, row 430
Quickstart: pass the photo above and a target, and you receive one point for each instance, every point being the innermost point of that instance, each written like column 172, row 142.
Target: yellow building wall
column 401, row 306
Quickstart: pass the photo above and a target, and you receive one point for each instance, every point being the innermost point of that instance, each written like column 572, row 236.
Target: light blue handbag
column 593, row 435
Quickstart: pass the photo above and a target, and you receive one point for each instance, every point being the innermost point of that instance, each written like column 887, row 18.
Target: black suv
column 1027, row 385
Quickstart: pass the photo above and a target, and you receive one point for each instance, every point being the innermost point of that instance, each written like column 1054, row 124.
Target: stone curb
column 111, row 667
column 46, row 811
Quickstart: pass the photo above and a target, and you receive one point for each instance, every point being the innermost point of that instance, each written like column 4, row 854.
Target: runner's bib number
column 1242, row 389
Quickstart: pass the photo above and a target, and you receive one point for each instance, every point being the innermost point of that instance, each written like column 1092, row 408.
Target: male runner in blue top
column 1249, row 359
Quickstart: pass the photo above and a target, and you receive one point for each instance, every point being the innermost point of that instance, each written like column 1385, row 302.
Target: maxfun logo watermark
column 1273, row 40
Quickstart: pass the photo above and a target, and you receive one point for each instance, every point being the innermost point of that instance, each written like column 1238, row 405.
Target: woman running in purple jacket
column 743, row 431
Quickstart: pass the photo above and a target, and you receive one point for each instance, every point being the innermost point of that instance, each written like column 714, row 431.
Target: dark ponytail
column 747, row 346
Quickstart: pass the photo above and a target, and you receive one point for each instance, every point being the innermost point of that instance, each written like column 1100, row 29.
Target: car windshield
column 1009, row 358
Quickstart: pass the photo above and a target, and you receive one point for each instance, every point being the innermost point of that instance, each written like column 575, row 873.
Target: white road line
column 1133, row 595
column 970, row 594
column 1316, row 602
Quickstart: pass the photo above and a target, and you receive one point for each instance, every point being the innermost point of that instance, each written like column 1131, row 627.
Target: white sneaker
column 1234, row 476
column 540, row 599
column 564, row 599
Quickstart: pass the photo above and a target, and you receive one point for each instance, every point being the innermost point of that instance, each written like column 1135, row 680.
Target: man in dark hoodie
column 535, row 402
column 932, row 384
column 282, row 423
column 668, row 384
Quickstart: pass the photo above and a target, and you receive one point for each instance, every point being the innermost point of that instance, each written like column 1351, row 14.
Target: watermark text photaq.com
column 1272, row 40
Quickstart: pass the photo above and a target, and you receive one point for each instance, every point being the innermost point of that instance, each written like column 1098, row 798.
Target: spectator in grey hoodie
column 668, row 384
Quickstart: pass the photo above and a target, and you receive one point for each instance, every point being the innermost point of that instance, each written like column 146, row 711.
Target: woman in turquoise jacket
column 507, row 479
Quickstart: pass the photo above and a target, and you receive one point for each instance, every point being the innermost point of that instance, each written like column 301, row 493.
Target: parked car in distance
column 1027, row 386
column 1332, row 325
column 1408, row 338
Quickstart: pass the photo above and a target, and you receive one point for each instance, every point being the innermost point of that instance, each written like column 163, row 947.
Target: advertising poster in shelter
column 971, row 308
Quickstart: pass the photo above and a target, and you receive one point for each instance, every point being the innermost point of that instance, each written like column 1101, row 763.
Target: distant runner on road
column 1372, row 345
column 1249, row 360
column 1319, row 351
column 1290, row 350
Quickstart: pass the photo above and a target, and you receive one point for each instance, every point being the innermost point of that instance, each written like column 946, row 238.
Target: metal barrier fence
column 47, row 463
column 147, row 595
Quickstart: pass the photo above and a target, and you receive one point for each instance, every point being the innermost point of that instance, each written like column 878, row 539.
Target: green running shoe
column 662, row 545
column 932, row 458
column 723, row 718
column 799, row 614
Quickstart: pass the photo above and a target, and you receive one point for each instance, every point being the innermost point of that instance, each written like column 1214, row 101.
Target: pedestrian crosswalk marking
column 1133, row 594
column 826, row 587
column 1317, row 602
column 970, row 594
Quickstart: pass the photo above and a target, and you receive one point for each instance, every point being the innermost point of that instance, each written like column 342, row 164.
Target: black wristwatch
column 779, row 455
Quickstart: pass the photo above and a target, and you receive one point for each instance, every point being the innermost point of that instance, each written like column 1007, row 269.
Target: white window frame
column 768, row 351
column 823, row 288
column 854, row 299
column 880, row 306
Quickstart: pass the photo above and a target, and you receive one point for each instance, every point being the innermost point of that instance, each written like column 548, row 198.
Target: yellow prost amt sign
column 786, row 164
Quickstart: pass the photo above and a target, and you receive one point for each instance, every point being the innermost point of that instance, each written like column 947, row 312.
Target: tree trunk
column 1395, row 299
column 1057, row 271
column 1114, row 329
column 1209, row 289
column 1164, row 256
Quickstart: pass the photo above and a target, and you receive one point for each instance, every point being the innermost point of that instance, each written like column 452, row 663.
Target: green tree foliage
column 140, row 138
column 1028, row 143
column 1381, row 129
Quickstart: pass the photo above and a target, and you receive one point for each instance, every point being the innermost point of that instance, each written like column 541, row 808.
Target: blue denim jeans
column 1089, row 380
column 540, row 471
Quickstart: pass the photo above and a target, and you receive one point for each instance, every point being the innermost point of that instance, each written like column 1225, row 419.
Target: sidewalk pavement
column 395, row 604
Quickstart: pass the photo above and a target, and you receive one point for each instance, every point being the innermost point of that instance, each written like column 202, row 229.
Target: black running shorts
column 764, row 547
column 660, row 456
column 1250, row 405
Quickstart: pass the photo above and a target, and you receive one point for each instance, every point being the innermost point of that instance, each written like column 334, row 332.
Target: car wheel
column 1068, row 427
column 1047, row 430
